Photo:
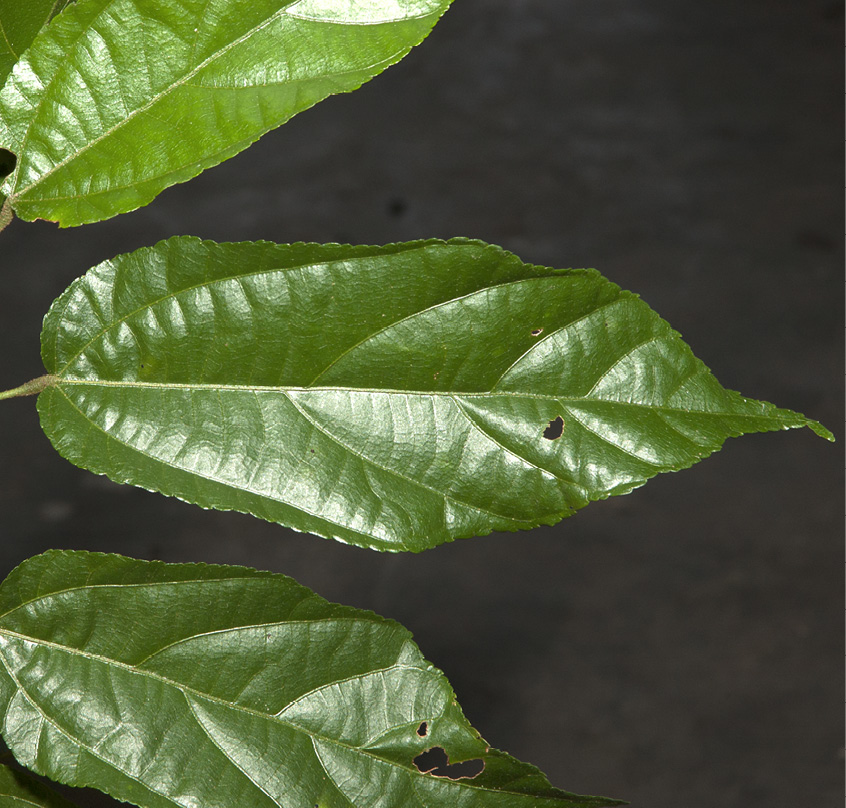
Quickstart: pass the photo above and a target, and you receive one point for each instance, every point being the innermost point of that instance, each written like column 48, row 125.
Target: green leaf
column 392, row 397
column 19, row 790
column 20, row 21
column 118, row 99
column 194, row 685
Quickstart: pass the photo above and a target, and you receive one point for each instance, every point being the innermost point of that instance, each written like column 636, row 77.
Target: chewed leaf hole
column 8, row 161
column 423, row 730
column 554, row 429
column 536, row 332
column 435, row 761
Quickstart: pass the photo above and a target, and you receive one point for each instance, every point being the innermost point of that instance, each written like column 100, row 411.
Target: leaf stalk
column 6, row 215
column 31, row 388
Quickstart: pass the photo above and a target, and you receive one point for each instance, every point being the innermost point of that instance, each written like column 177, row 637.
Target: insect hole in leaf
column 8, row 161
column 435, row 761
column 554, row 429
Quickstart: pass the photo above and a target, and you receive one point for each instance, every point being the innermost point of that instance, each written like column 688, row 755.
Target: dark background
column 680, row 646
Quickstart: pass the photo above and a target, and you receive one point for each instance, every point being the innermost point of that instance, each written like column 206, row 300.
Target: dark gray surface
column 680, row 646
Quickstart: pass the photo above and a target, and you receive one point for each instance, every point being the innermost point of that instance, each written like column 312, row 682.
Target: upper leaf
column 20, row 21
column 118, row 99
column 19, row 790
column 222, row 687
column 393, row 397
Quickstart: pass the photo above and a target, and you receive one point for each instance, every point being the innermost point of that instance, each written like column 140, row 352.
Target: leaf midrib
column 186, row 690
column 284, row 390
column 18, row 190
column 774, row 417
column 332, row 437
column 200, row 162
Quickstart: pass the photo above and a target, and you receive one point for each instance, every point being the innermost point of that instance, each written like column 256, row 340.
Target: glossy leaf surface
column 224, row 687
column 393, row 397
column 19, row 790
column 118, row 99
column 20, row 21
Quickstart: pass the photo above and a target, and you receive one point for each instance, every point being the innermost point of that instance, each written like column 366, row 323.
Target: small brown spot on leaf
column 537, row 332
column 554, row 429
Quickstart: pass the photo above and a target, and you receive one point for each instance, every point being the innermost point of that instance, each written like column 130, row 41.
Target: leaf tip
column 818, row 429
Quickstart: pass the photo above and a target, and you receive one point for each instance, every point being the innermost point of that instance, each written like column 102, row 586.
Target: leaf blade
column 101, row 123
column 19, row 24
column 20, row 790
column 323, row 708
column 390, row 397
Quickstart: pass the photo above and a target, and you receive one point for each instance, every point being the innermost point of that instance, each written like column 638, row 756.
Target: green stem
column 31, row 388
column 6, row 215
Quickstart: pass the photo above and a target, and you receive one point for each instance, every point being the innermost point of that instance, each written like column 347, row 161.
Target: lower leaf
column 223, row 687
column 19, row 790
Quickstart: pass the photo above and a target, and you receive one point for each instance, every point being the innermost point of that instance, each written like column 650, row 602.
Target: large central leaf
column 394, row 397
column 223, row 687
column 118, row 99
